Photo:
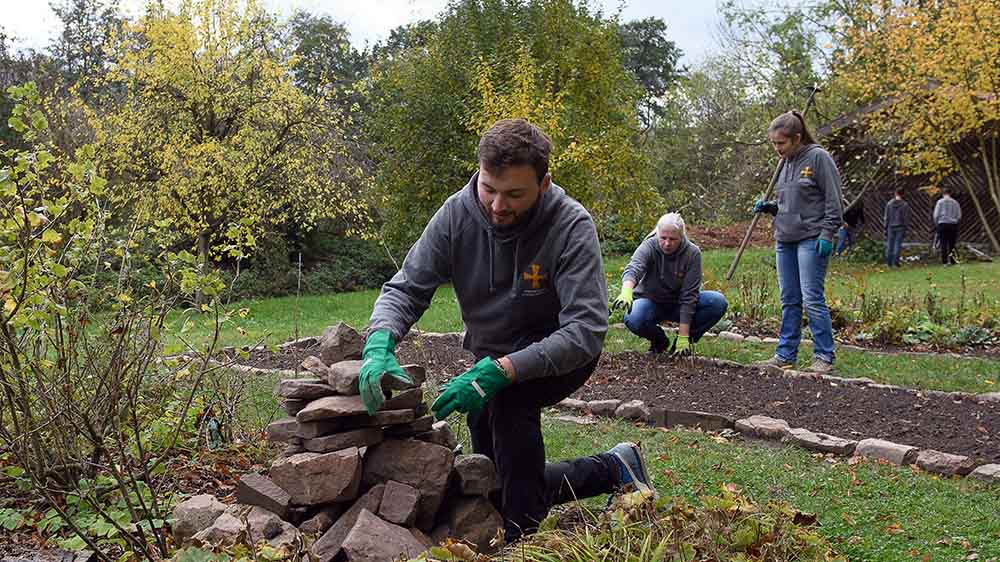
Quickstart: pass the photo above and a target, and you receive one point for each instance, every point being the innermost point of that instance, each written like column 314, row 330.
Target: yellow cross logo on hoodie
column 807, row 172
column 535, row 277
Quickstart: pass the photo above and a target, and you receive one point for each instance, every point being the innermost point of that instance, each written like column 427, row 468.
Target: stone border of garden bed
column 761, row 427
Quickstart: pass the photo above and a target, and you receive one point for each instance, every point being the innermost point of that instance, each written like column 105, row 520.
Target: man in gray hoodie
column 525, row 263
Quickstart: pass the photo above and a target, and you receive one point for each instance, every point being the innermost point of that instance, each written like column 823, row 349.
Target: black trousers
column 947, row 236
column 509, row 430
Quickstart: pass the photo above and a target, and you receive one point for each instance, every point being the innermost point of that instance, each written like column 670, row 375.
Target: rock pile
column 369, row 488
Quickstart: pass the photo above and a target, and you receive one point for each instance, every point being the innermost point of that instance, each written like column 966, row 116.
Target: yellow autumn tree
column 932, row 67
column 210, row 139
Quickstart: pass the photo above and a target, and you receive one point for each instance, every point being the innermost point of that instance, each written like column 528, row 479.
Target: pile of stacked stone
column 365, row 487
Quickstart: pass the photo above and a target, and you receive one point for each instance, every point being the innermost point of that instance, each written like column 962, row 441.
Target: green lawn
column 869, row 511
column 279, row 319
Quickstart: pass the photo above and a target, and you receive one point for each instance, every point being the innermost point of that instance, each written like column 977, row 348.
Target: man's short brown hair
column 514, row 142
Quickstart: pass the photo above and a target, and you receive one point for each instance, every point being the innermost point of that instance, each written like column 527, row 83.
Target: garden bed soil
column 948, row 423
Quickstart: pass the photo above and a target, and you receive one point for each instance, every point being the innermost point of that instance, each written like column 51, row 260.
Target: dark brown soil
column 952, row 424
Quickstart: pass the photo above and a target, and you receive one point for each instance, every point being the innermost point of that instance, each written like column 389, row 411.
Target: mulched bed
column 964, row 426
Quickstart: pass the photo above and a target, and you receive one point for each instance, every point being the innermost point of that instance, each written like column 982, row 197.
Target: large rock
column 316, row 366
column 304, row 389
column 343, row 376
column 375, row 540
column 474, row 519
column 476, row 474
column 632, row 410
column 259, row 490
column 894, row 453
column 440, row 434
column 364, row 437
column 603, row 407
column 944, row 463
column 251, row 525
column 327, row 547
column 821, row 442
column 282, row 431
column 332, row 407
column 292, row 406
column 404, row 400
column 313, row 478
column 308, row 430
column 763, row 427
column 425, row 466
column 987, row 473
column 399, row 503
column 340, row 342
column 195, row 514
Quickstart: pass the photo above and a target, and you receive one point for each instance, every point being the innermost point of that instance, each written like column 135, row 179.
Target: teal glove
column 624, row 300
column 769, row 207
column 472, row 389
column 823, row 247
column 682, row 346
column 378, row 359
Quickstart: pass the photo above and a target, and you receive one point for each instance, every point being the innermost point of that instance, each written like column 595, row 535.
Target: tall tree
column 213, row 137
column 652, row 59
column 934, row 68
column 551, row 60
column 79, row 50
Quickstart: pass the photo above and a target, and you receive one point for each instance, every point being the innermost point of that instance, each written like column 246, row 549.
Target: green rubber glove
column 469, row 391
column 682, row 346
column 823, row 247
column 624, row 300
column 378, row 359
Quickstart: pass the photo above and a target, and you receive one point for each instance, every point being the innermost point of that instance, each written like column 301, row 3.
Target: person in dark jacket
column 896, row 219
column 854, row 221
column 807, row 214
column 525, row 263
column 665, row 275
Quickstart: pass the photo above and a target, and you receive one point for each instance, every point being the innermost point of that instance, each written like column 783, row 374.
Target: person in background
column 947, row 214
column 896, row 219
column 854, row 220
column 665, row 273
column 807, row 215
column 526, row 266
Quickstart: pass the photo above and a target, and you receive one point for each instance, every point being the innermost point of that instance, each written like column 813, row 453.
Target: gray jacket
column 666, row 278
column 808, row 197
column 535, row 292
column 897, row 213
column 947, row 211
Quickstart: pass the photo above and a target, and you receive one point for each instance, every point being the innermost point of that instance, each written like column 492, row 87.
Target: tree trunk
column 202, row 263
column 971, row 188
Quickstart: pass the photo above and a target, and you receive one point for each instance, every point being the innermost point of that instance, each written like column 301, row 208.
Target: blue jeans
column 845, row 240
column 646, row 315
column 894, row 245
column 801, row 276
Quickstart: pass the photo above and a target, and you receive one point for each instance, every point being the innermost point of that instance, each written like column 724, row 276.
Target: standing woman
column 807, row 214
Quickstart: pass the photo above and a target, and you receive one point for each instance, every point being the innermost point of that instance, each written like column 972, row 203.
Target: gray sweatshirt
column 947, row 211
column 897, row 213
column 808, row 197
column 666, row 278
column 535, row 292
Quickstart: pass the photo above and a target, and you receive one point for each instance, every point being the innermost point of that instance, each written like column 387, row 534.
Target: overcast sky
column 690, row 23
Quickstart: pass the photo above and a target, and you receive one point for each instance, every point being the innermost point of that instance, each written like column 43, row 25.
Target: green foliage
column 552, row 62
column 237, row 147
column 637, row 528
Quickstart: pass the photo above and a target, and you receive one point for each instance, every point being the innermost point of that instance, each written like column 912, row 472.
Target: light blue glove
column 823, row 247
